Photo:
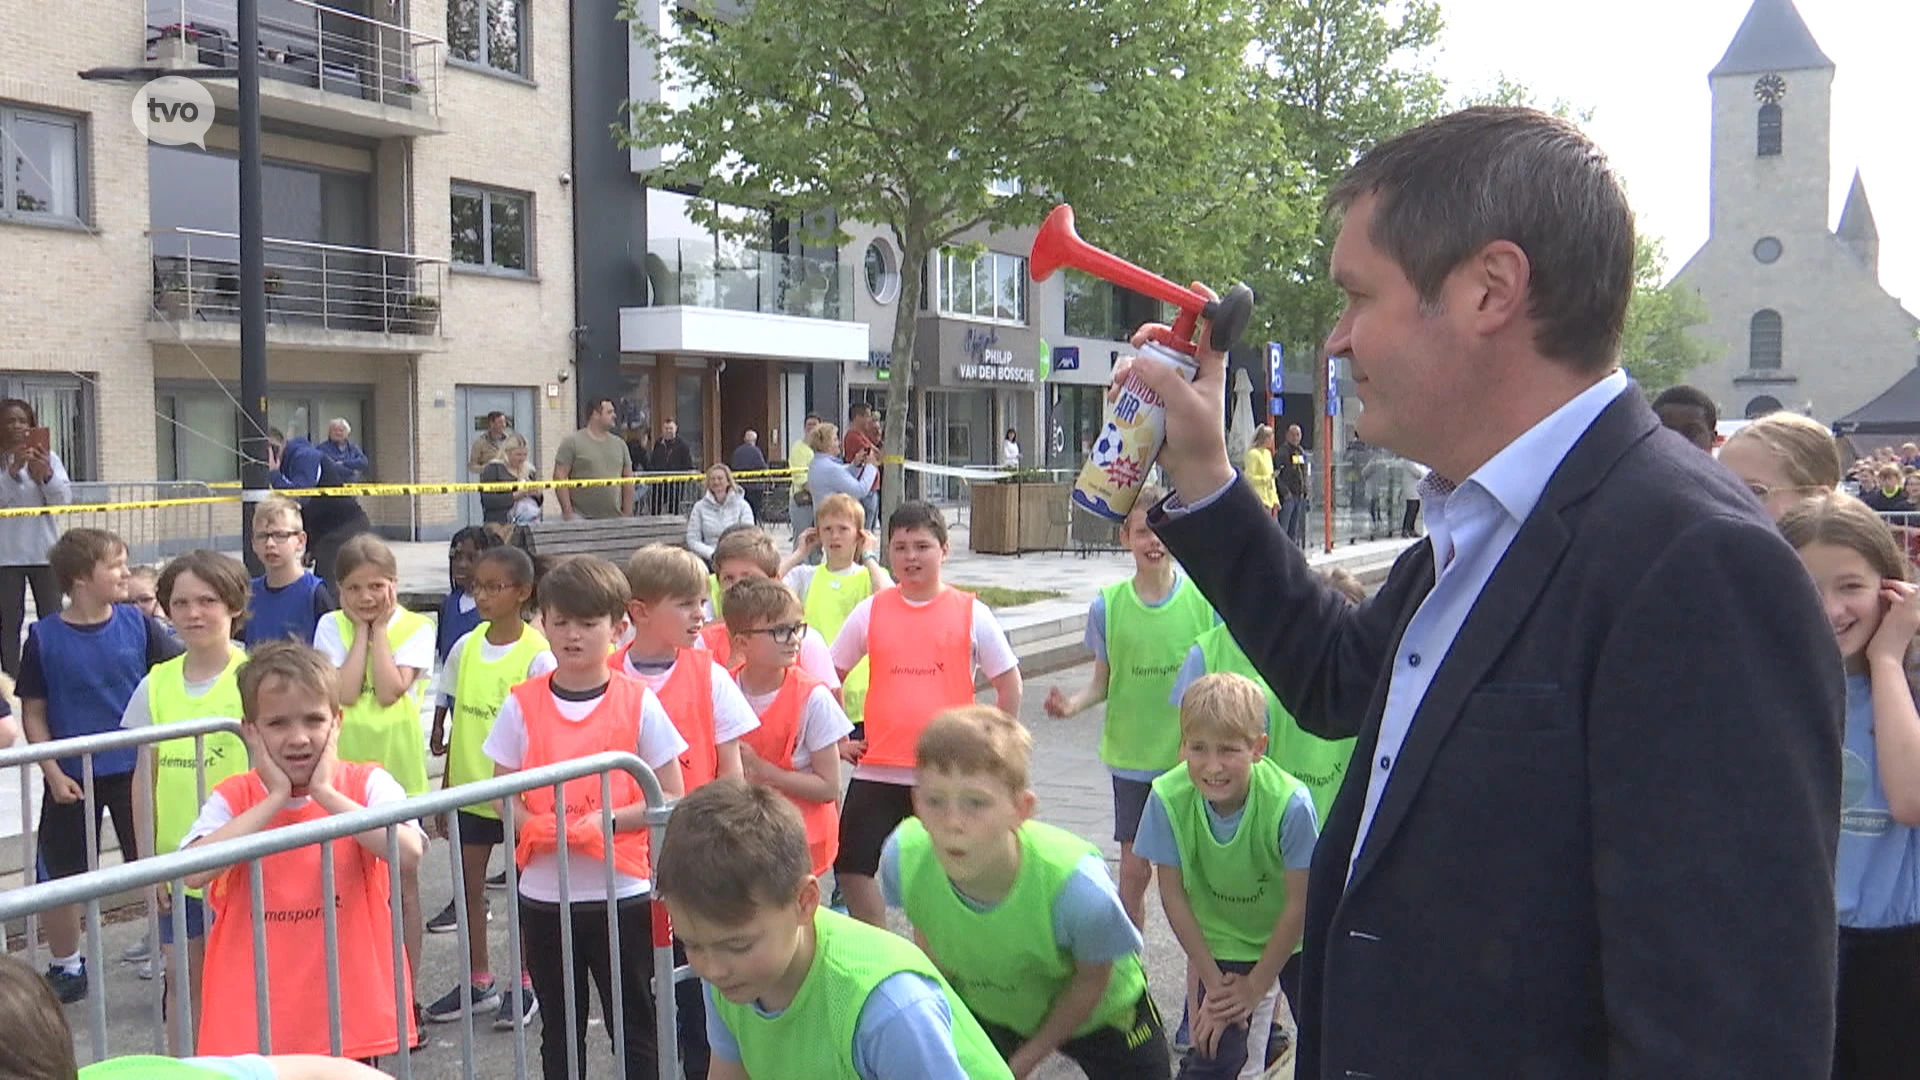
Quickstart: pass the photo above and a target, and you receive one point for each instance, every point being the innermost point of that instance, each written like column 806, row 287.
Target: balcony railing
column 337, row 51
column 691, row 273
column 196, row 276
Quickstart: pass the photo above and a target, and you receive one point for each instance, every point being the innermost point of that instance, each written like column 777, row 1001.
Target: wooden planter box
column 1008, row 519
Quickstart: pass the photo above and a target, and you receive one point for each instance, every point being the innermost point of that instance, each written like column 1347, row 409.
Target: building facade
column 1796, row 310
column 419, row 239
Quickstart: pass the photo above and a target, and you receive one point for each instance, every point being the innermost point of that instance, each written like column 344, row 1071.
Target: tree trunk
column 906, row 324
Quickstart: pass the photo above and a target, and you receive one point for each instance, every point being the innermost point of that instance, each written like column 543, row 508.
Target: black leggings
column 14, row 582
column 540, row 927
column 1876, row 1037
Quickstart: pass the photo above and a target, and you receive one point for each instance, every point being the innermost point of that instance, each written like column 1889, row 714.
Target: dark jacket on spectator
column 670, row 456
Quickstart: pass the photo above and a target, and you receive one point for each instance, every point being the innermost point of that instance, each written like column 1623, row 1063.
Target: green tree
column 1658, row 346
column 900, row 114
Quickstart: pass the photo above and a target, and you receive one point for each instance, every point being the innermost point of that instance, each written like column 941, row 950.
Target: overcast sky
column 1642, row 65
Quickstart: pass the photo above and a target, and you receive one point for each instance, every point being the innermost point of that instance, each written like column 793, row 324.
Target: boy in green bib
column 1139, row 631
column 481, row 668
column 829, row 593
column 205, row 595
column 1232, row 837
column 1021, row 917
column 795, row 989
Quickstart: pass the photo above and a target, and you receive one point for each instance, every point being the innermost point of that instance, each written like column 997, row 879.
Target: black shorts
column 63, row 826
column 1137, row 1053
column 872, row 811
column 1129, row 803
column 478, row 829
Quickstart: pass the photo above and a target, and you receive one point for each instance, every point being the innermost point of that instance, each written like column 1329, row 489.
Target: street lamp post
column 254, row 481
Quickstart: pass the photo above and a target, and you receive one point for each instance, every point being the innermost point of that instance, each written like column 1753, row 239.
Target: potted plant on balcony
column 418, row 315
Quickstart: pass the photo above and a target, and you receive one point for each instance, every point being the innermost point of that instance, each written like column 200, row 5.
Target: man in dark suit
column 1590, row 823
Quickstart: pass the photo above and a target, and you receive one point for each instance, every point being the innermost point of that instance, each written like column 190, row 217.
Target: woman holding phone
column 30, row 475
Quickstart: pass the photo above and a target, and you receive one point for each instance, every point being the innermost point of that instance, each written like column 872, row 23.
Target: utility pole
column 253, row 285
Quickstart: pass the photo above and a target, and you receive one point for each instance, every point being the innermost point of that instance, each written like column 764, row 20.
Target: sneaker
column 498, row 881
column 420, row 1037
column 446, row 922
column 138, row 952
column 455, row 1002
column 68, row 986
column 529, row 1008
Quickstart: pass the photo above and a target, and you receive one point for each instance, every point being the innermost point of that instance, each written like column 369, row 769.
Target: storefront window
column 633, row 411
column 1072, row 422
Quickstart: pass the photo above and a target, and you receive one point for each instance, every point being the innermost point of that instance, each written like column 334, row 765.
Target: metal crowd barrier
column 153, row 532
column 169, row 871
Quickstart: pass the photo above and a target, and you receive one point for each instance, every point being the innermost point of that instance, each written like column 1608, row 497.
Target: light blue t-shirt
column 1192, row 670
column 1089, row 922
column 1299, row 831
column 244, row 1067
column 905, row 1029
column 1877, row 873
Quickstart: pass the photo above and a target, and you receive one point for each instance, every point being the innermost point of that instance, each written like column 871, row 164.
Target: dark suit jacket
column 1607, row 846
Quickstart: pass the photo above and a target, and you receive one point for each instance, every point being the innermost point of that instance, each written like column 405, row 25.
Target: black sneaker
column 529, row 1008
column 455, row 1002
column 498, row 881
column 68, row 986
column 445, row 922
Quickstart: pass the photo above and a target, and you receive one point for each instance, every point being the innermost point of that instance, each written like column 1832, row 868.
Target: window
column 1096, row 308
column 490, row 229
column 1769, row 130
column 1004, row 185
column 64, row 406
column 991, row 286
column 489, row 33
column 1764, row 336
column 197, row 428
column 39, row 166
column 1767, row 249
column 883, row 272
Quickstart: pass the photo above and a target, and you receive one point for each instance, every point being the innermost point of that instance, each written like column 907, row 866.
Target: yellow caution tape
column 92, row 508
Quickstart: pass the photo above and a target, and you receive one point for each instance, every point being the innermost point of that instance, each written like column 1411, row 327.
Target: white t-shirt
column 993, row 655
column 731, row 716
column 382, row 789
column 822, row 724
column 448, row 680
column 139, row 712
column 800, row 578
column 416, row 652
column 506, row 745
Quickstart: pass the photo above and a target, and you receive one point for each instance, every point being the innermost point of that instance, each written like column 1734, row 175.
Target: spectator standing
column 486, row 448
column 1290, row 474
column 1890, row 496
column 828, row 474
column 800, row 512
column 331, row 520
column 30, row 475
column 1689, row 411
column 859, row 437
column 723, row 506
column 340, row 449
column 594, row 453
column 1010, row 450
column 521, row 506
column 1257, row 467
column 747, row 457
column 670, row 454
column 1412, row 472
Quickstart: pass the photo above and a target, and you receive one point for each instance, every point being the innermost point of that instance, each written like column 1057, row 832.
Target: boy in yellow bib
column 829, row 593
column 205, row 595
column 481, row 669
column 1022, row 918
column 1231, row 836
column 795, row 989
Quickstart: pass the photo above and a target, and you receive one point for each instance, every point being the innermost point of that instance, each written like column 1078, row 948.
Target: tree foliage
column 900, row 113
column 1658, row 347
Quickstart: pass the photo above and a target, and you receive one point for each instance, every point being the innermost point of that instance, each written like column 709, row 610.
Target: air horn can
column 1134, row 425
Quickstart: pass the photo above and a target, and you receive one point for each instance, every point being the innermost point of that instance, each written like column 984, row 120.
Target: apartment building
column 419, row 247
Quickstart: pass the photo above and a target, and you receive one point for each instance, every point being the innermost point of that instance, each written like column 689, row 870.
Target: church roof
column 1896, row 411
column 1773, row 37
column 1856, row 218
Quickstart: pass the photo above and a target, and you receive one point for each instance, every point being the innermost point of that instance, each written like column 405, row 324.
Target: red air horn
column 1058, row 245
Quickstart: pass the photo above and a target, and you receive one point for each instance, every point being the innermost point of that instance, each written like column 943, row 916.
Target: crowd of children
column 749, row 686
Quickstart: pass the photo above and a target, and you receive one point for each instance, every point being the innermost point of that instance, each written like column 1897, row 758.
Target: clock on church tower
column 1769, row 89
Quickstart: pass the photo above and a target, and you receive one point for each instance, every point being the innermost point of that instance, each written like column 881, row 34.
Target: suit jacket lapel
column 1503, row 606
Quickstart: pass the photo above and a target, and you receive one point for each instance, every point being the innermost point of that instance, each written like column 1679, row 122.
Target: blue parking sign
column 1333, row 386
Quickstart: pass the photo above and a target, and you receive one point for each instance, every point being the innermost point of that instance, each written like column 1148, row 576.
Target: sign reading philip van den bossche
column 996, row 372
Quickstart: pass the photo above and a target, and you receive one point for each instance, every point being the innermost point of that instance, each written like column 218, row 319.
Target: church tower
column 1794, row 306
column 1772, row 126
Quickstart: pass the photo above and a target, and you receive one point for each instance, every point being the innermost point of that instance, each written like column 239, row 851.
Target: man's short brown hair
column 584, row 587
column 74, row 555
column 977, row 739
column 664, row 572
column 1224, row 705
column 299, row 665
column 750, row 545
column 1451, row 186
column 756, row 602
column 732, row 849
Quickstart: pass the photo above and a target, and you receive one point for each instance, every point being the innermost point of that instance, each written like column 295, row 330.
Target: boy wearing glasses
column 794, row 751
column 288, row 601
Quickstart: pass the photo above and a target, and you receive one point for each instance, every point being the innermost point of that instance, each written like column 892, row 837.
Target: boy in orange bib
column 795, row 750
column 669, row 591
column 923, row 641
column 291, row 723
column 577, row 709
